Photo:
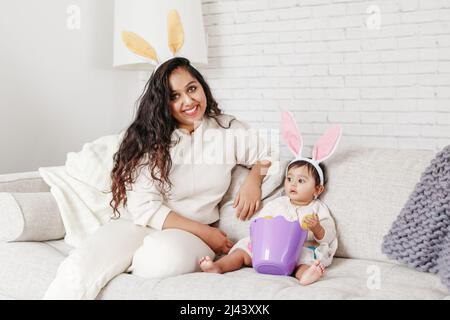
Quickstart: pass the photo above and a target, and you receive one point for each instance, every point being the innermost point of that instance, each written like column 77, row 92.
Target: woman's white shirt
column 201, row 172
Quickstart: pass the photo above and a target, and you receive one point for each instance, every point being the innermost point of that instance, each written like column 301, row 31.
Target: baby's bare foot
column 207, row 265
column 312, row 274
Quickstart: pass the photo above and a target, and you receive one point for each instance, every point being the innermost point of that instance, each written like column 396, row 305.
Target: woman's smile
column 192, row 111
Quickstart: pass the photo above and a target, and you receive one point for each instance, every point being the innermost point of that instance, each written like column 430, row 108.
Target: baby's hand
column 312, row 222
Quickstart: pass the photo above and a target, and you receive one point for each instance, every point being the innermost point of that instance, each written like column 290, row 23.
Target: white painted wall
column 389, row 87
column 58, row 89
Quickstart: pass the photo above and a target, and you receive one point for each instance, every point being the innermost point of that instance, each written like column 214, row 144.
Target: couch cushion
column 366, row 190
column 28, row 268
column 345, row 279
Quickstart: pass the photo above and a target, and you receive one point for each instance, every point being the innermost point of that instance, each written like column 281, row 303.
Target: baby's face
column 300, row 186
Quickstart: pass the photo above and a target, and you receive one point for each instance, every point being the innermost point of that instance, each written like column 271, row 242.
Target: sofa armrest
column 23, row 182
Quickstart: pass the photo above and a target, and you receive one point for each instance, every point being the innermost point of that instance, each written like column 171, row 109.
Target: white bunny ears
column 322, row 150
column 142, row 48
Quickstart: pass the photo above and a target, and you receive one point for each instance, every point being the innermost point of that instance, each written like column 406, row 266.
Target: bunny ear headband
column 142, row 48
column 322, row 150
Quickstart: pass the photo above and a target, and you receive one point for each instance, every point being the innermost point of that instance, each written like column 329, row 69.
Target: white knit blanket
column 82, row 187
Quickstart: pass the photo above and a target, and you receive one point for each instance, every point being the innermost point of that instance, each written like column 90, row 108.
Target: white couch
column 366, row 190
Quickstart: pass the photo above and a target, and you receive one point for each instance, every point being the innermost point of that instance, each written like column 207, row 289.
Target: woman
column 160, row 182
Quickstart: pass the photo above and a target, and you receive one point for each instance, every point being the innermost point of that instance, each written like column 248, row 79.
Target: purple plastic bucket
column 276, row 245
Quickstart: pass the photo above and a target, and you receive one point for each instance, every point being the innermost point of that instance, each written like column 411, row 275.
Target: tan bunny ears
column 141, row 47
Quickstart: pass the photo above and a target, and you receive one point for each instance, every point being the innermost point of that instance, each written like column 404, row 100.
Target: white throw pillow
column 29, row 217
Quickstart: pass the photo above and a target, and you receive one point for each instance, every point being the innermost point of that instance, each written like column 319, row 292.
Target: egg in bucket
column 276, row 244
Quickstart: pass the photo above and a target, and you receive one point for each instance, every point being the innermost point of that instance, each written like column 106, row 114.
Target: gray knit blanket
column 420, row 236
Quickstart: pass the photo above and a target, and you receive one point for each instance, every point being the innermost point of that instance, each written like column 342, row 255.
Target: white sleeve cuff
column 327, row 236
column 323, row 239
column 154, row 219
column 158, row 218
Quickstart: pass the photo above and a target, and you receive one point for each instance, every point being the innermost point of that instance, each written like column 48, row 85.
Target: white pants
column 117, row 245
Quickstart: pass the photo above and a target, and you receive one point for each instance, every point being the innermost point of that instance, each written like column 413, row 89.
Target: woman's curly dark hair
column 148, row 140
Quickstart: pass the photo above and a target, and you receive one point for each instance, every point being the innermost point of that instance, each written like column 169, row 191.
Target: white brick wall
column 389, row 87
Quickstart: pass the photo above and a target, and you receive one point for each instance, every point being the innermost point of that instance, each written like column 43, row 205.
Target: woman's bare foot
column 207, row 265
column 312, row 274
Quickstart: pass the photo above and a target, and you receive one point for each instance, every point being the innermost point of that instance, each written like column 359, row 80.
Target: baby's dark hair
column 311, row 170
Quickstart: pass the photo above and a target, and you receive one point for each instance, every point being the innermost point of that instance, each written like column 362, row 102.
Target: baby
column 304, row 182
column 302, row 188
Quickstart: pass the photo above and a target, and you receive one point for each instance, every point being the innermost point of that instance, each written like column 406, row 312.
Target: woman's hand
column 248, row 199
column 216, row 239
